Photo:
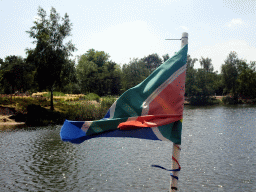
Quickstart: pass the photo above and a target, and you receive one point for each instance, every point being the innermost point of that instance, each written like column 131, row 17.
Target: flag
column 151, row 110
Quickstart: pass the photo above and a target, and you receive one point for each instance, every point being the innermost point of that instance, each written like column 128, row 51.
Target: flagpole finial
column 184, row 39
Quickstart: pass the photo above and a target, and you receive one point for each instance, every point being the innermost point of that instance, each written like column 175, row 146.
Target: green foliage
column 5, row 101
column 239, row 78
column 15, row 75
column 152, row 61
column 190, row 62
column 165, row 57
column 85, row 112
column 97, row 57
column 106, row 102
column 206, row 63
column 92, row 97
column 134, row 73
column 78, row 112
column 68, row 76
column 230, row 100
column 200, row 83
column 72, row 88
column 21, row 103
column 96, row 74
column 246, row 80
column 230, row 74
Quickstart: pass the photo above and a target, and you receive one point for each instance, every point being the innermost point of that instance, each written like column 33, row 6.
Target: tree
column 97, row 57
column 96, row 74
column 87, row 74
column 191, row 62
column 190, row 77
column 68, row 78
column 206, row 63
column 133, row 73
column 152, row 61
column 166, row 57
column 200, row 83
column 50, row 53
column 16, row 74
column 1, row 62
column 111, row 76
column 246, row 80
column 230, row 74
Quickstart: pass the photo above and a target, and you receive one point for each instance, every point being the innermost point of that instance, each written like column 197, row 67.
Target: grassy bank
column 35, row 109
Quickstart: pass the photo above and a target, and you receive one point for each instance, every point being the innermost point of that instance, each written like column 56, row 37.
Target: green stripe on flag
column 172, row 131
column 104, row 125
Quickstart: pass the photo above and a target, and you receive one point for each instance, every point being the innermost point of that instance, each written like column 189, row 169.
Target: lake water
column 218, row 154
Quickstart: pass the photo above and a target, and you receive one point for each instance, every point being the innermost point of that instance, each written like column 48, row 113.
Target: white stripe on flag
column 112, row 110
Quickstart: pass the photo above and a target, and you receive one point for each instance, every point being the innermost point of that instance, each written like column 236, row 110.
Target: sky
column 127, row 29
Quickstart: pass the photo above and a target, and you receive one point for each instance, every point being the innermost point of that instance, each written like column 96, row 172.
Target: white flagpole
column 176, row 148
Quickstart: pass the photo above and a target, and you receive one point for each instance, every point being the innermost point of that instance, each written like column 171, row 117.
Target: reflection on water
column 218, row 154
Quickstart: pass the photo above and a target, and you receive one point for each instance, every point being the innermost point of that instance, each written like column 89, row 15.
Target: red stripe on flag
column 149, row 121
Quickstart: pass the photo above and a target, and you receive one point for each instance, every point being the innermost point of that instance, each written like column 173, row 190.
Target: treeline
column 94, row 73
column 48, row 67
column 237, row 80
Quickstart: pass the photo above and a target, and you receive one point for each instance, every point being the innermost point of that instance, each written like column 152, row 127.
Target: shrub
column 81, row 112
column 229, row 100
column 92, row 96
column 5, row 100
column 106, row 102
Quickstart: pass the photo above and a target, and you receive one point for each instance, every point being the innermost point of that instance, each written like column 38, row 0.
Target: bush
column 82, row 112
column 5, row 100
column 92, row 96
column 197, row 100
column 229, row 100
column 106, row 102
column 72, row 89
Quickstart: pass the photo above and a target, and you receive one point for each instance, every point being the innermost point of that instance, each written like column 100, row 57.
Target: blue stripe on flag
column 71, row 131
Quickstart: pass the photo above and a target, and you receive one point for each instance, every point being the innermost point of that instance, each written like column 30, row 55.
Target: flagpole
column 176, row 148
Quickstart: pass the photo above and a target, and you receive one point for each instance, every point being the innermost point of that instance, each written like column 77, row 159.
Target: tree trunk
column 52, row 100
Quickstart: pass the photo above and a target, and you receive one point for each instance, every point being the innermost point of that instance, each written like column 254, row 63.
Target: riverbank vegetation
column 35, row 110
column 48, row 82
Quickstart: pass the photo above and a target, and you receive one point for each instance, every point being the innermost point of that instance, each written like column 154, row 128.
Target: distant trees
column 229, row 72
column 202, row 83
column 96, row 74
column 133, row 73
column 239, row 78
column 152, row 61
column 206, row 63
column 166, row 57
column 246, row 79
column 16, row 74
